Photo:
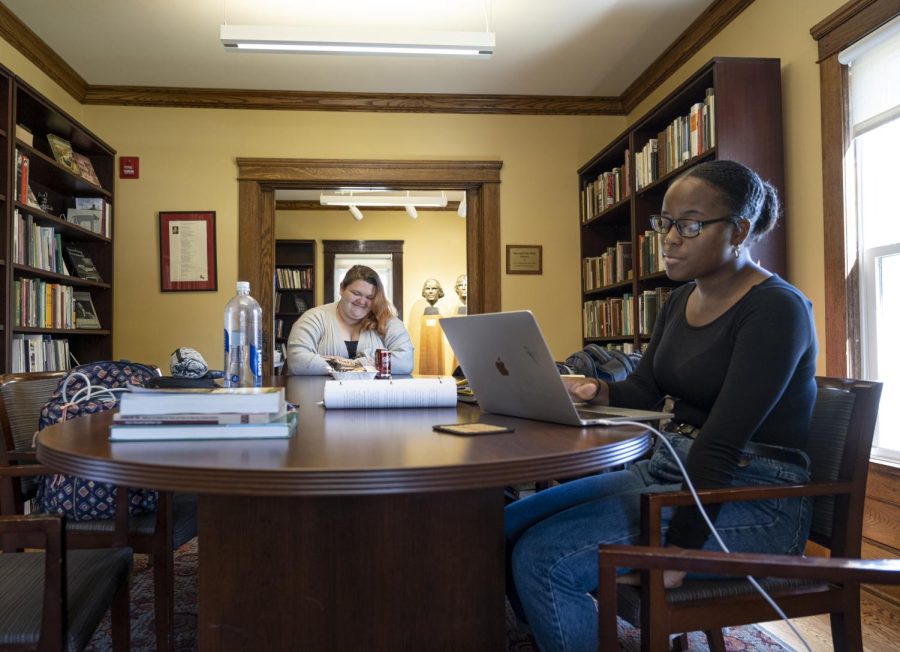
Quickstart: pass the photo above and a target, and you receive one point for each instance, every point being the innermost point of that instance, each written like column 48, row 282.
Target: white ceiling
column 544, row 47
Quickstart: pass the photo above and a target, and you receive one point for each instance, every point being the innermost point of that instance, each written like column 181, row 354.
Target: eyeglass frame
column 678, row 222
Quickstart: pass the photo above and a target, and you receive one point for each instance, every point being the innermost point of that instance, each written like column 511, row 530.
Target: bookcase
column 729, row 109
column 54, row 311
column 295, row 286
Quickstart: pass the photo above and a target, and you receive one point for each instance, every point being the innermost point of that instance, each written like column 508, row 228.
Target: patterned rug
column 143, row 640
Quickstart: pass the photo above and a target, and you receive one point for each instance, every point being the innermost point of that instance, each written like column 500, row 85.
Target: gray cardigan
column 316, row 334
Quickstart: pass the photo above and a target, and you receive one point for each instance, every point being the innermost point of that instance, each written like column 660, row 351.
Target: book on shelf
column 36, row 352
column 279, row 428
column 85, row 313
column 23, row 165
column 24, row 134
column 89, row 219
column 396, row 393
column 63, row 153
column 204, row 400
column 82, row 264
column 39, row 304
column 86, row 168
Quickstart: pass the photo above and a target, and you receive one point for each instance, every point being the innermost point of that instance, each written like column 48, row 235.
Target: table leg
column 384, row 572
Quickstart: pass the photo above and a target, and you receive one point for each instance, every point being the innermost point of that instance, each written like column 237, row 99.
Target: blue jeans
column 552, row 537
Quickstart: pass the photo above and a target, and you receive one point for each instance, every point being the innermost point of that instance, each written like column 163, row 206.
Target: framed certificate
column 523, row 259
column 187, row 251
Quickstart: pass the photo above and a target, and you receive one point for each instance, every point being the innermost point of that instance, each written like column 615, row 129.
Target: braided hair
column 745, row 193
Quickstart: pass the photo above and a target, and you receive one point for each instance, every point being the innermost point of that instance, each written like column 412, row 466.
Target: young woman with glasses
column 734, row 349
column 352, row 328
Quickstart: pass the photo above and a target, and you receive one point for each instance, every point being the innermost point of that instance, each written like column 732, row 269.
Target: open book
column 395, row 393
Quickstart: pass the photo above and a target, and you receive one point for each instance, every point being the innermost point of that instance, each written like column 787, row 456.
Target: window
column 873, row 207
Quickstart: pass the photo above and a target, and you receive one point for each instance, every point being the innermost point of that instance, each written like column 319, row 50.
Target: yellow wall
column 187, row 163
column 434, row 245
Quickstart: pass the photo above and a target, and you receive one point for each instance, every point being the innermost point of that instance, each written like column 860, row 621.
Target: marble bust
column 462, row 286
column 432, row 291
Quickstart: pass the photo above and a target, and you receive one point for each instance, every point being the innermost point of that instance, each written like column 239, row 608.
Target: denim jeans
column 552, row 537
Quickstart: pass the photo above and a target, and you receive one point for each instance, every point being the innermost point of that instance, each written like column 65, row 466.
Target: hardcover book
column 84, row 266
column 85, row 313
column 241, row 400
column 278, row 429
column 86, row 168
column 62, row 152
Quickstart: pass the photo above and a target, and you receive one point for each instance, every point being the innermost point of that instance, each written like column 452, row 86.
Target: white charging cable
column 89, row 391
column 690, row 485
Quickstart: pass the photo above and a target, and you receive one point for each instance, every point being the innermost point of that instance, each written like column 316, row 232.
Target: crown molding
column 30, row 45
column 700, row 32
column 850, row 23
column 371, row 102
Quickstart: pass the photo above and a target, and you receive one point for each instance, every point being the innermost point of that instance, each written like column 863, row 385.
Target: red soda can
column 383, row 363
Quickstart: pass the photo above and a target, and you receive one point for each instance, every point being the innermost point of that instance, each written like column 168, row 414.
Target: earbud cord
column 712, row 529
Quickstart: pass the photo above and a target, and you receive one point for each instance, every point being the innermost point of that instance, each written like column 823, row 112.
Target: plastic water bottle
column 243, row 339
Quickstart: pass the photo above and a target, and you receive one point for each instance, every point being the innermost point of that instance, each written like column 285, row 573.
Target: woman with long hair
column 353, row 327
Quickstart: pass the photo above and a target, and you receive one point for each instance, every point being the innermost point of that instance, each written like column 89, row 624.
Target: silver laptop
column 507, row 362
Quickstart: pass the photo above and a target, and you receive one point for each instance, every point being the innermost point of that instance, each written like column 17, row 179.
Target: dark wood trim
column 30, row 45
column 839, row 313
column 698, row 34
column 852, row 22
column 842, row 326
column 258, row 178
column 222, row 98
column 311, row 205
column 393, row 247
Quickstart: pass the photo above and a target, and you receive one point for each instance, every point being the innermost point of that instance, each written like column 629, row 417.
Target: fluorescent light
column 402, row 201
column 356, row 213
column 274, row 38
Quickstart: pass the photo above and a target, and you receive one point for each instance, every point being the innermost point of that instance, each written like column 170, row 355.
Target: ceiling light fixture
column 274, row 38
column 411, row 211
column 462, row 209
column 356, row 213
column 401, row 201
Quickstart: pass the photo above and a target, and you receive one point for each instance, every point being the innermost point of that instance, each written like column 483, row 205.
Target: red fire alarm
column 129, row 167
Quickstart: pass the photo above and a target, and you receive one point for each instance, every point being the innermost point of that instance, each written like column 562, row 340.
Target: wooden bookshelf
column 58, row 187
column 295, row 285
column 745, row 125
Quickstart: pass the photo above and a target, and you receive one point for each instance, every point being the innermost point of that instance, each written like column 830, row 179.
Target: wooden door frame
column 259, row 177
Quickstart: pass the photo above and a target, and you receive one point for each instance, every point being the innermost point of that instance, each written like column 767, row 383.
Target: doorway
column 258, row 179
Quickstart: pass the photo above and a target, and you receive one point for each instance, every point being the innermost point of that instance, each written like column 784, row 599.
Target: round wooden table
column 365, row 530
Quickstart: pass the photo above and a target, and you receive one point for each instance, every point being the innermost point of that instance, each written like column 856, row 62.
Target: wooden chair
column 157, row 534
column 839, row 443
column 54, row 600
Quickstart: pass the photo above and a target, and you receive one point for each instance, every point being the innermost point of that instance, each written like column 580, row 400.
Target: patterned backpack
column 77, row 498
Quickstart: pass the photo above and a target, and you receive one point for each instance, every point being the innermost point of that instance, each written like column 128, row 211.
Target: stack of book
column 202, row 413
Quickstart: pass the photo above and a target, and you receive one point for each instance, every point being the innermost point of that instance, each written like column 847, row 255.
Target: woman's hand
column 587, row 390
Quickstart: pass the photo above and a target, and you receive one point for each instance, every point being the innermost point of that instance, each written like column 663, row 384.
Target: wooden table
column 366, row 530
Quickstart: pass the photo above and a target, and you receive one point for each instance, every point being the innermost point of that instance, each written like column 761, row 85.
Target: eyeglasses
column 686, row 228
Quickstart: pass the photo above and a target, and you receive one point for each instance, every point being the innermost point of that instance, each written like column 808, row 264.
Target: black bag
column 609, row 365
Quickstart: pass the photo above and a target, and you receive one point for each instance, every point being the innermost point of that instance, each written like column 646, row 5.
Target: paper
column 398, row 393
column 187, row 251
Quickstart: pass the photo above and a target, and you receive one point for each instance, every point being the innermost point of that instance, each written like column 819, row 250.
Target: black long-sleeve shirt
column 747, row 376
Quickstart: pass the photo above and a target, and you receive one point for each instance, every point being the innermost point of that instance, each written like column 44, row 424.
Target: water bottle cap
column 243, row 285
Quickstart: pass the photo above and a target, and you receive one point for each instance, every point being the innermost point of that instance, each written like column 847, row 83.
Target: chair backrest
column 839, row 443
column 22, row 395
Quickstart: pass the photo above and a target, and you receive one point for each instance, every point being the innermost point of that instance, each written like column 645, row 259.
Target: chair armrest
column 834, row 569
column 652, row 504
column 24, row 470
column 22, row 456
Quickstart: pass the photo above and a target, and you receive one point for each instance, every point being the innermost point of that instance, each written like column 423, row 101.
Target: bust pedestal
column 431, row 345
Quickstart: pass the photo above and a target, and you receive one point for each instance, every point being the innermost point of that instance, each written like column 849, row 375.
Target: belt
column 777, row 453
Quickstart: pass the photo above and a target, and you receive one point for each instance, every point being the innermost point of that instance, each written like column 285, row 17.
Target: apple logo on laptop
column 501, row 367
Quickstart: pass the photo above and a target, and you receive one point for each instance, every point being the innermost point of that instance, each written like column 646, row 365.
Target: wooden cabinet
column 53, row 315
column 295, row 287
column 729, row 109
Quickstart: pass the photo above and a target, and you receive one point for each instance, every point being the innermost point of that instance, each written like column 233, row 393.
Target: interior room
column 472, row 186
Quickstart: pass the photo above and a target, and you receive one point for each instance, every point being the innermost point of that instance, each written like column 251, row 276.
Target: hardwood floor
column 881, row 628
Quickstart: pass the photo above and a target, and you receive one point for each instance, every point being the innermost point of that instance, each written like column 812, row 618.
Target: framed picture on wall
column 187, row 251
column 524, row 259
